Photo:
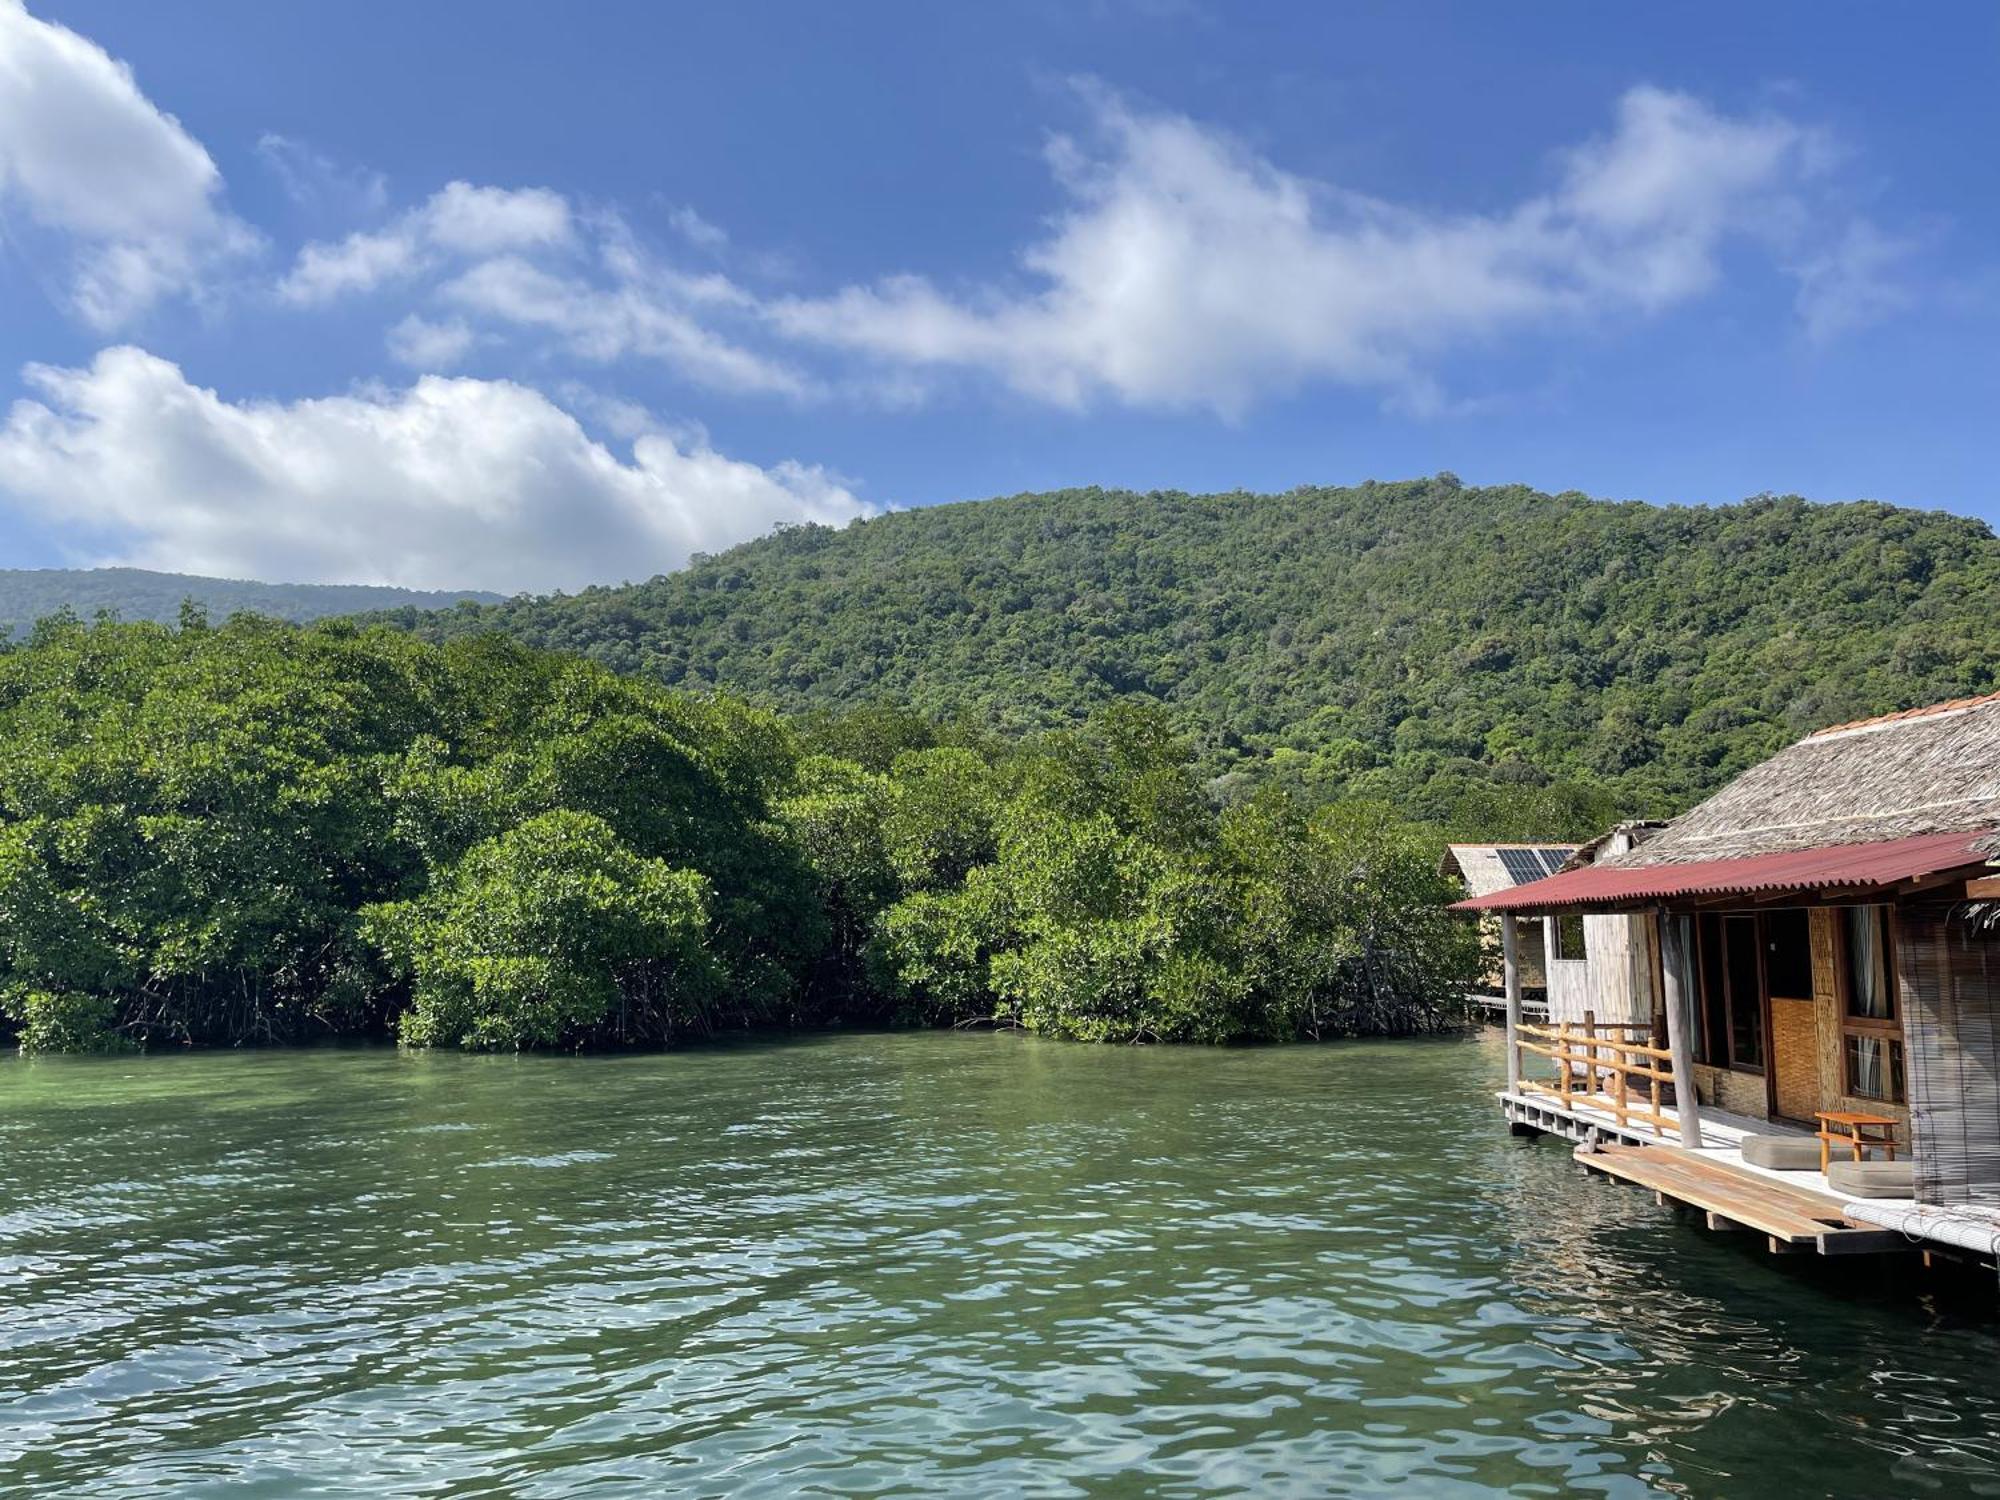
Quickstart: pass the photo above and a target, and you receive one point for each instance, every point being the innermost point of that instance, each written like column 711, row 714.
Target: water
column 912, row 1264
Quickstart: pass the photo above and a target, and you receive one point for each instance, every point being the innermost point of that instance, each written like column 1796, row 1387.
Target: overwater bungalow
column 1806, row 1043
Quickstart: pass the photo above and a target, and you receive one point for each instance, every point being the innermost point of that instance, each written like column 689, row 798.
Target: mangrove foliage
column 260, row 832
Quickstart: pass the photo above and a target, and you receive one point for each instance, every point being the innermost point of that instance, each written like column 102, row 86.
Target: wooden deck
column 1793, row 1211
column 1790, row 1218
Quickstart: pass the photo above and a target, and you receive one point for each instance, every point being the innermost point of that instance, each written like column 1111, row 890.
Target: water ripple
column 911, row 1265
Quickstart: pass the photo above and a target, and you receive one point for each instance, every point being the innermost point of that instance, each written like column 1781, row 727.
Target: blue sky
column 515, row 297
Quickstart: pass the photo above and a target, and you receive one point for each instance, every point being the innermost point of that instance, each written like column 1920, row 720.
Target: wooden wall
column 1614, row 981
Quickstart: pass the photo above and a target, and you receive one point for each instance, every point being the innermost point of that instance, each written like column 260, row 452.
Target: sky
column 521, row 297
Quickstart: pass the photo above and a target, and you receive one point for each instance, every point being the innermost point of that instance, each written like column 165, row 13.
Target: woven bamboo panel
column 1795, row 1057
column 1739, row 1093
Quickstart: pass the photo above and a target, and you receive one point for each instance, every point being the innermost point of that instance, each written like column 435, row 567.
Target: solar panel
column 1524, row 865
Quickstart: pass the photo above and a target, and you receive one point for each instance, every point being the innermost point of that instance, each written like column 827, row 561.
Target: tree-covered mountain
column 1495, row 658
column 30, row 594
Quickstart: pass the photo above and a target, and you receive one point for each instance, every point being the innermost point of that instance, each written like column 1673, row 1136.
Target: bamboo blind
column 1950, row 973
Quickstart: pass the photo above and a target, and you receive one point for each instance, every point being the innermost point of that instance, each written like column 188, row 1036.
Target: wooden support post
column 1510, row 954
column 1676, row 970
column 1590, row 1054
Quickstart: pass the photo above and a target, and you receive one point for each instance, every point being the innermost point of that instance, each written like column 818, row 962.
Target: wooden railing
column 1589, row 1046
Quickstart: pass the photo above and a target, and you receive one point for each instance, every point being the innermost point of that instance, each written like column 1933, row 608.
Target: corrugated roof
column 1845, row 866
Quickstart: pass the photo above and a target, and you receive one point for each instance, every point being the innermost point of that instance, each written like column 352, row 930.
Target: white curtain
column 1869, row 1060
column 1868, row 973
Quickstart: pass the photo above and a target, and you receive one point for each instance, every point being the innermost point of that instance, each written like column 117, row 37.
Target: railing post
column 1675, row 970
column 1510, row 955
column 1589, row 1052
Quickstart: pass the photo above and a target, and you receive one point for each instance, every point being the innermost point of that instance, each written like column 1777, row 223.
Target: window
column 1874, row 1067
column 1871, row 1021
column 1732, row 992
column 1746, row 1009
column 1788, row 955
column 1569, row 937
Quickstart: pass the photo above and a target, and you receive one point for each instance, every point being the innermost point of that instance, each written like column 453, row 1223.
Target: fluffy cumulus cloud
column 85, row 155
column 1188, row 271
column 448, row 483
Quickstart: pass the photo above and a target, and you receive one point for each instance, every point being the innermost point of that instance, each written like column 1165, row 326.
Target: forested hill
column 29, row 594
column 1496, row 658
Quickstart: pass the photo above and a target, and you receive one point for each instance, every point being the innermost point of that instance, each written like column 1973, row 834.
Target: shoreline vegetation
column 263, row 833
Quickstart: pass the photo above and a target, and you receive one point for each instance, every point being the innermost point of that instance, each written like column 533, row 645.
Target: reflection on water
column 911, row 1265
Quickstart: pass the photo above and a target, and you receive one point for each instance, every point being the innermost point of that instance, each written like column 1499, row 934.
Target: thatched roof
column 1923, row 771
column 1486, row 868
column 1615, row 840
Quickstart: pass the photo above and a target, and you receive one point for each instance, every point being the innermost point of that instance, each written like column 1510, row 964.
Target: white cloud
column 650, row 312
column 461, row 219
column 448, row 483
column 356, row 264
column 524, row 259
column 696, row 230
column 488, row 220
column 424, row 345
column 90, row 157
column 1851, row 282
column 1189, row 272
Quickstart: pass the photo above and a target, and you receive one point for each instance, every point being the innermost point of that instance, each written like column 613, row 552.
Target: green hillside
column 1497, row 658
column 29, row 594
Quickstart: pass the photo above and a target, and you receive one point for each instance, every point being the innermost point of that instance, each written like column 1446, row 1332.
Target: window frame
column 1756, row 926
column 1582, row 954
column 1888, row 1029
column 1720, row 1052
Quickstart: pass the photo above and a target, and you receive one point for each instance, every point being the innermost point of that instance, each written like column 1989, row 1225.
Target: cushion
column 1785, row 1153
column 1872, row 1179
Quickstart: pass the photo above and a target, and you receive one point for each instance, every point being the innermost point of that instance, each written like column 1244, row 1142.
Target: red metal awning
column 1844, row 866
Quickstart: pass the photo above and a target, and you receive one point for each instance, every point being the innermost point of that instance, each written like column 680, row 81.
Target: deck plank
column 1789, row 1216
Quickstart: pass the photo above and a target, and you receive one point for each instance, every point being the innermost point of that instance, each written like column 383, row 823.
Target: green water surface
column 914, row 1264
